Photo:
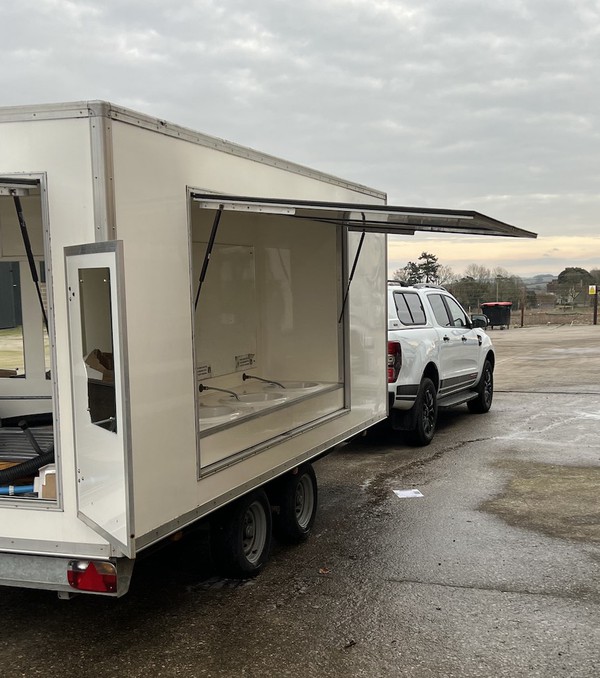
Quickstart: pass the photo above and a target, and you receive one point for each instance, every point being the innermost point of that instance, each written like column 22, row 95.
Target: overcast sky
column 491, row 106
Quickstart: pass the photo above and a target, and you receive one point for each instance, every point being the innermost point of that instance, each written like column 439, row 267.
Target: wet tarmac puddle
column 559, row 501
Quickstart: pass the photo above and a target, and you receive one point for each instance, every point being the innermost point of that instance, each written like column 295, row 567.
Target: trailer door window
column 97, row 345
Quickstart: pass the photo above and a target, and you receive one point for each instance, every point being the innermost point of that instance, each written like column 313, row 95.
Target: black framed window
column 409, row 308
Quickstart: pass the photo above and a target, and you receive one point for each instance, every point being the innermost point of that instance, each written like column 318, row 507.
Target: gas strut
column 209, row 249
column 30, row 259
column 357, row 255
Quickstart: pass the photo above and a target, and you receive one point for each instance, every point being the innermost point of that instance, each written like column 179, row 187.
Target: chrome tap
column 202, row 387
column 267, row 381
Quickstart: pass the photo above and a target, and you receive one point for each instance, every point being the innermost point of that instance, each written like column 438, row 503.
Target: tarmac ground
column 492, row 572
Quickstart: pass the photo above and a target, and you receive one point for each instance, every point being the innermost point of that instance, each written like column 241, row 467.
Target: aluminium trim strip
column 41, row 547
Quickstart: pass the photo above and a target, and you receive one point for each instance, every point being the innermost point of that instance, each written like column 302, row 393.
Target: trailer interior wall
column 156, row 220
column 27, row 338
column 282, row 279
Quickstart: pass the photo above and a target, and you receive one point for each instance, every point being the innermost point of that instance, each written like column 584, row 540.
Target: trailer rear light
column 394, row 361
column 92, row 575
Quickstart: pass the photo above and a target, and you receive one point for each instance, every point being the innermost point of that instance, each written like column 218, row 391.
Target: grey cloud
column 439, row 103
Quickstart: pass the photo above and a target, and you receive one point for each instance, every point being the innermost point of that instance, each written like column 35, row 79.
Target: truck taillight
column 92, row 575
column 394, row 360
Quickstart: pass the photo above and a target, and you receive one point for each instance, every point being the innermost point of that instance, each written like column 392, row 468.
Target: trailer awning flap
column 391, row 219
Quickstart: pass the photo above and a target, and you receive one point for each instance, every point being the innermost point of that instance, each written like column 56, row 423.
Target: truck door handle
column 446, row 338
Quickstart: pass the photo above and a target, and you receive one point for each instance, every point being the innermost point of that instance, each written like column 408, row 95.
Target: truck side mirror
column 480, row 321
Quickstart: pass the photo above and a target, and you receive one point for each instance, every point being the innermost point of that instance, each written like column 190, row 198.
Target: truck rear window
column 409, row 308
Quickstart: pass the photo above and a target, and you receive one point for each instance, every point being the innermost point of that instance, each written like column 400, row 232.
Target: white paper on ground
column 405, row 494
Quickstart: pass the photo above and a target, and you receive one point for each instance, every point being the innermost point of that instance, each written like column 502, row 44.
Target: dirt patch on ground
column 560, row 501
column 536, row 317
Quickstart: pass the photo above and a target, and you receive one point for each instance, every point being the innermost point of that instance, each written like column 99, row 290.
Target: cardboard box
column 45, row 483
column 100, row 366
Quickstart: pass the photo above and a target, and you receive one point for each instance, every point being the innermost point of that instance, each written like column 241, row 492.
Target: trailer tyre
column 294, row 499
column 426, row 411
column 241, row 535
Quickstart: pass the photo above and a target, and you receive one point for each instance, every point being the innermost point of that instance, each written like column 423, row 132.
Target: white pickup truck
column 438, row 357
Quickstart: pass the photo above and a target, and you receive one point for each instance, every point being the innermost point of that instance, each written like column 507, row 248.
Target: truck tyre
column 485, row 391
column 241, row 535
column 294, row 501
column 426, row 411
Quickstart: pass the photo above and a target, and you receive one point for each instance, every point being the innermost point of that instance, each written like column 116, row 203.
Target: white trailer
column 184, row 324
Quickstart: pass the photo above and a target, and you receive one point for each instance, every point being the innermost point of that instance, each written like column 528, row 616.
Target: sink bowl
column 216, row 414
column 257, row 399
column 298, row 386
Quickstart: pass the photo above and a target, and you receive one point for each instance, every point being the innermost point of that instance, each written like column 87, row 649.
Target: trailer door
column 99, row 379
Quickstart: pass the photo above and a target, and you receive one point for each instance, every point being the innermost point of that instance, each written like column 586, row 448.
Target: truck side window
column 409, row 308
column 439, row 309
column 457, row 315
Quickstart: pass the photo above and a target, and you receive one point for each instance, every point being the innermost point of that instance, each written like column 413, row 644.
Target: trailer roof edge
column 100, row 108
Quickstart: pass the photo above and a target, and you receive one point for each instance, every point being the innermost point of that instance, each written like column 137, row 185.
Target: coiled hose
column 27, row 468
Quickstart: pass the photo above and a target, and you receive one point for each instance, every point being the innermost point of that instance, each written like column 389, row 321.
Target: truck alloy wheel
column 485, row 391
column 426, row 411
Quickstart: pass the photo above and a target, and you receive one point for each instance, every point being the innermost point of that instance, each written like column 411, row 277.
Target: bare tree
column 480, row 274
column 445, row 275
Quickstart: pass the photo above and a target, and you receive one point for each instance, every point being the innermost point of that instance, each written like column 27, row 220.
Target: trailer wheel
column 241, row 535
column 425, row 415
column 294, row 498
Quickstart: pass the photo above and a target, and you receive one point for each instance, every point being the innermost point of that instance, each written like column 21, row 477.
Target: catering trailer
column 186, row 324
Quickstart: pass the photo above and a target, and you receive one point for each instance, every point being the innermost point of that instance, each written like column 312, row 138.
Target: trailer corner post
column 101, row 145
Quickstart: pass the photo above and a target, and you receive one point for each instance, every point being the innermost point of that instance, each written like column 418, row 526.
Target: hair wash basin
column 295, row 386
column 216, row 414
column 258, row 399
